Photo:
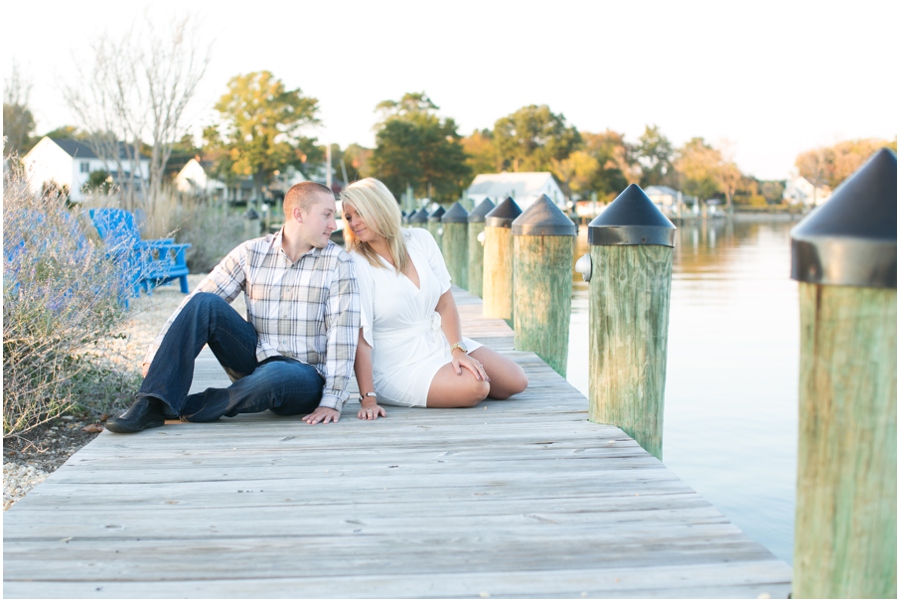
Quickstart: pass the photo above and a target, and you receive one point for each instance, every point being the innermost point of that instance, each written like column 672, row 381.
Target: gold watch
column 459, row 345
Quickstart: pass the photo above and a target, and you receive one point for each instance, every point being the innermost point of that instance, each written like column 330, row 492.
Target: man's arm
column 342, row 332
column 226, row 280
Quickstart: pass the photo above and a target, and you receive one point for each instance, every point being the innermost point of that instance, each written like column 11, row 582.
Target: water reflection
column 731, row 380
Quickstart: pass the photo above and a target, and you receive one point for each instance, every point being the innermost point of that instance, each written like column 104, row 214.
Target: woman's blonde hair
column 375, row 204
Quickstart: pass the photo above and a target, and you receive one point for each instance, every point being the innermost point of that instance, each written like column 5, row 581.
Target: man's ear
column 297, row 215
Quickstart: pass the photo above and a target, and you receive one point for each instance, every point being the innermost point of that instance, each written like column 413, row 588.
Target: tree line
column 137, row 94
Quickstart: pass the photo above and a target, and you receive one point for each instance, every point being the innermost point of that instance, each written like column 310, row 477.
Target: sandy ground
column 28, row 462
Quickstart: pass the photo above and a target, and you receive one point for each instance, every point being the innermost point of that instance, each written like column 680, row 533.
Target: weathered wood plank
column 517, row 498
column 706, row 580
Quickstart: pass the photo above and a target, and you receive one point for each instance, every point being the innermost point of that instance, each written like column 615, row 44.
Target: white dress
column 399, row 321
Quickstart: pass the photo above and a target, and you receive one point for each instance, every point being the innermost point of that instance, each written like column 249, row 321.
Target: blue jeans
column 280, row 384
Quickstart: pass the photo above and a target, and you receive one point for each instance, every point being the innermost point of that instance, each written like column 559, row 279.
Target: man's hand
column 323, row 415
column 144, row 369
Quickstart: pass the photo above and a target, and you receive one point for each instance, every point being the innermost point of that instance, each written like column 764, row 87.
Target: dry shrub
column 211, row 229
column 61, row 291
column 211, row 232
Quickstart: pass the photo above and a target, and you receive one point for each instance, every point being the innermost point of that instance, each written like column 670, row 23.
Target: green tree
column 705, row 171
column 829, row 166
column 357, row 161
column 728, row 177
column 655, row 155
column 98, row 181
column 772, row 191
column 578, row 173
column 532, row 138
column 18, row 122
column 261, row 122
column 748, row 192
column 67, row 132
column 481, row 152
column 413, row 146
column 698, row 163
column 310, row 155
column 618, row 161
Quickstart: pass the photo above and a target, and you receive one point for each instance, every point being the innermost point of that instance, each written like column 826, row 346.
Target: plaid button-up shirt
column 306, row 310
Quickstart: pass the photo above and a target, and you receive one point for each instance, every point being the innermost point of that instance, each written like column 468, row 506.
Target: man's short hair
column 303, row 195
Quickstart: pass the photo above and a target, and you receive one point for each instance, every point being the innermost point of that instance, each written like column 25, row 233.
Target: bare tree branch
column 136, row 91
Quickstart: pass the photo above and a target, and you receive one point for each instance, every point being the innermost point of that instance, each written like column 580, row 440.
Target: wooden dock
column 521, row 498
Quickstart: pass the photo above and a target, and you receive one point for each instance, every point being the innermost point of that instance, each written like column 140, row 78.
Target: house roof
column 501, row 185
column 660, row 190
column 80, row 150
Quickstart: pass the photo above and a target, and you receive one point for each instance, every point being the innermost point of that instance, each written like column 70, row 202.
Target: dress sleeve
column 366, row 297
column 425, row 242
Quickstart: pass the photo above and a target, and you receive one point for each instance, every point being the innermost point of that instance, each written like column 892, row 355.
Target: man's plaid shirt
column 307, row 310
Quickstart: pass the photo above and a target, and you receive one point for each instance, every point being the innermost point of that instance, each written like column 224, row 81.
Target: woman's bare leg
column 451, row 390
column 507, row 377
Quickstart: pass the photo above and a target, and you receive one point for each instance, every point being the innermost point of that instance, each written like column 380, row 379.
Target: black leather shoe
column 145, row 413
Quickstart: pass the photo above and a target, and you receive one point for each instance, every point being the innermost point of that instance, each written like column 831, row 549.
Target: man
column 294, row 353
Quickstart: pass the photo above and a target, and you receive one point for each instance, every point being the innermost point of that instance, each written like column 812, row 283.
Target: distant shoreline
column 767, row 216
column 745, row 216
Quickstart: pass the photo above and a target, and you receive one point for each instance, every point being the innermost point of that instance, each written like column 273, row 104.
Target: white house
column 524, row 187
column 663, row 197
column 669, row 200
column 69, row 163
column 800, row 191
column 193, row 179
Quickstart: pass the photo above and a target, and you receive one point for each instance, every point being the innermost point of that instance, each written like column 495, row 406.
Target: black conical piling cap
column 851, row 240
column 478, row 213
column 543, row 218
column 457, row 214
column 503, row 215
column 419, row 217
column 437, row 214
column 631, row 219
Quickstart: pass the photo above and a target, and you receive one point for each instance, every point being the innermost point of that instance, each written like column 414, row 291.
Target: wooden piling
column 845, row 257
column 434, row 225
column 252, row 224
column 542, row 263
column 455, row 241
column 630, row 284
column 497, row 284
column 476, row 246
column 419, row 219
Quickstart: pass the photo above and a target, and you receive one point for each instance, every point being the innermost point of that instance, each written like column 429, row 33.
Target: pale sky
column 771, row 78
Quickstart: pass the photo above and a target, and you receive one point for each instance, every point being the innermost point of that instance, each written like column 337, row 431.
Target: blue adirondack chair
column 149, row 263
column 24, row 250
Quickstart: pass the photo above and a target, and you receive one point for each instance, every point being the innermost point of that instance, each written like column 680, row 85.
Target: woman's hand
column 462, row 360
column 371, row 411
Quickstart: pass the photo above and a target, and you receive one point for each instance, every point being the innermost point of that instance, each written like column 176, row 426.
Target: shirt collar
column 277, row 240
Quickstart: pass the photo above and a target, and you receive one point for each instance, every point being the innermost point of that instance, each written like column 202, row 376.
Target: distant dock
column 522, row 498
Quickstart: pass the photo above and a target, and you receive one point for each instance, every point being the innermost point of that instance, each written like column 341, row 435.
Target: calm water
column 730, row 428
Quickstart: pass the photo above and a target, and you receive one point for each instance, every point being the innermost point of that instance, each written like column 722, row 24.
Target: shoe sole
column 119, row 428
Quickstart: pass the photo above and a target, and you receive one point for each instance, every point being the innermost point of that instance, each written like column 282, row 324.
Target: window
column 85, row 167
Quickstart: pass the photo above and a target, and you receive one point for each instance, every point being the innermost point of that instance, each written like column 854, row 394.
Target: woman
column 411, row 350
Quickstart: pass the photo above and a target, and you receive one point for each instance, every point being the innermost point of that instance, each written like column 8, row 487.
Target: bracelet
column 369, row 394
column 460, row 346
